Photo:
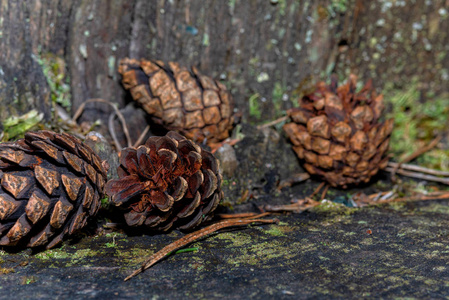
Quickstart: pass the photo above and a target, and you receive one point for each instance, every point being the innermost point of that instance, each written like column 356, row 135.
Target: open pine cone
column 50, row 184
column 179, row 99
column 169, row 182
column 337, row 132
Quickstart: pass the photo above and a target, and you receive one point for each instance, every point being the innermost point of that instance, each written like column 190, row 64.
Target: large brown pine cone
column 50, row 184
column 170, row 182
column 180, row 99
column 337, row 132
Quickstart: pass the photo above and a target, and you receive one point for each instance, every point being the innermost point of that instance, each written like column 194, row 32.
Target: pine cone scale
column 60, row 212
column 195, row 221
column 72, row 186
column 37, row 207
column 49, row 150
column 41, row 238
column 15, row 156
column 8, row 206
column 49, row 179
column 210, row 183
column 74, row 161
column 20, row 229
column 189, row 209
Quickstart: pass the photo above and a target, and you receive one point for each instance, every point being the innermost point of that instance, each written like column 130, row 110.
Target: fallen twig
column 377, row 196
column 215, row 146
column 277, row 121
column 192, row 237
column 317, row 189
column 117, row 111
column 111, row 128
column 241, row 215
column 415, row 154
column 142, row 136
column 391, row 196
column 297, row 178
column 443, row 196
column 299, row 206
column 418, row 175
column 418, row 169
column 323, row 194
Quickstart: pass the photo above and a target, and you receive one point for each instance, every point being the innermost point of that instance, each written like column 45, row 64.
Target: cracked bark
column 243, row 42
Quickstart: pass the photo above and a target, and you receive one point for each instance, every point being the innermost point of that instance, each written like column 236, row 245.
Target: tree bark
column 22, row 83
column 260, row 48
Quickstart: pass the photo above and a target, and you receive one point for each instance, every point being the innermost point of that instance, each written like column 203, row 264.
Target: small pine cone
column 337, row 133
column 50, row 184
column 180, row 99
column 170, row 182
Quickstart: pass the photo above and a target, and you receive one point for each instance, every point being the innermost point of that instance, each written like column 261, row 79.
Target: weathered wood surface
column 389, row 251
column 261, row 46
column 22, row 83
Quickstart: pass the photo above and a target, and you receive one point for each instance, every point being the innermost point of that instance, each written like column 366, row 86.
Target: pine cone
column 337, row 132
column 50, row 184
column 170, row 182
column 178, row 99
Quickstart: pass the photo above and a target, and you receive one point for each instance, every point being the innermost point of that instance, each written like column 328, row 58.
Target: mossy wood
column 264, row 47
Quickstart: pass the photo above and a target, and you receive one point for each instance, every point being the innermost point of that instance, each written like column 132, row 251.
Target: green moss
column 396, row 205
column 110, row 245
column 255, row 110
column 53, row 254
column 236, row 239
column 105, row 203
column 54, row 70
column 28, row 280
column 16, row 126
column 275, row 231
column 65, row 255
column 332, row 207
column 338, row 7
column 278, row 230
column 115, row 235
column 262, row 253
column 83, row 253
column 279, row 92
column 436, row 208
column 417, row 122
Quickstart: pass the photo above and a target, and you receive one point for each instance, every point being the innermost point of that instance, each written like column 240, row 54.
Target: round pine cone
column 180, row 99
column 50, row 184
column 337, row 132
column 170, row 182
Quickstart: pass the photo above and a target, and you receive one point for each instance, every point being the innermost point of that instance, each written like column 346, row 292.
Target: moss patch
column 395, row 250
